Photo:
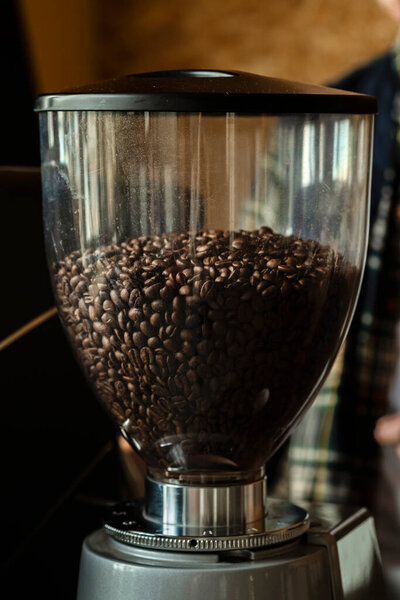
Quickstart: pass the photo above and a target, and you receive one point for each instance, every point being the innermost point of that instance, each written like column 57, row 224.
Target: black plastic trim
column 208, row 91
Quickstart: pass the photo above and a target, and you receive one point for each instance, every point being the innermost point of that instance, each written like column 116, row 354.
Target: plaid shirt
column 332, row 455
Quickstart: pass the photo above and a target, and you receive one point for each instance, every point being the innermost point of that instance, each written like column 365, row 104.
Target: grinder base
column 337, row 558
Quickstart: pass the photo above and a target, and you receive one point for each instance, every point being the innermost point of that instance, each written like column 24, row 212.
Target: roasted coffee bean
column 206, row 289
column 185, row 290
column 179, row 357
column 273, row 263
column 208, row 349
column 153, row 342
column 108, row 306
column 238, row 243
column 100, row 328
column 146, row 355
column 92, row 313
column 147, row 310
column 135, row 314
column 192, row 321
column 124, row 295
column 171, row 364
column 108, row 319
column 203, row 347
column 186, row 334
column 158, row 306
column 115, row 298
column 156, row 320
column 192, row 302
column 219, row 328
column 170, row 330
column 152, row 291
column 147, row 329
column 178, row 317
column 139, row 339
column 122, row 319
column 83, row 308
column 167, row 293
column 169, row 345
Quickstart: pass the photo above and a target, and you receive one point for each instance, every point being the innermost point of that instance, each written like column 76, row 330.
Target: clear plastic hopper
column 206, row 263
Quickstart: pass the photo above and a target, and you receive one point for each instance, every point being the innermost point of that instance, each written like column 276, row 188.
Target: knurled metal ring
column 128, row 524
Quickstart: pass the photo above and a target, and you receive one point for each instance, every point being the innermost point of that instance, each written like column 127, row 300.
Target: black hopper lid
column 201, row 90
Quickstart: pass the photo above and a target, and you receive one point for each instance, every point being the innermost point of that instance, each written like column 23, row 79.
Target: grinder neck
column 224, row 509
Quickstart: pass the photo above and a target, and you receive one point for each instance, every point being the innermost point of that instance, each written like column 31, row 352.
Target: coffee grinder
column 206, row 235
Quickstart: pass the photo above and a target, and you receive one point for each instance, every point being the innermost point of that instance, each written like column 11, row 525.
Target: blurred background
column 52, row 45
column 75, row 42
column 61, row 465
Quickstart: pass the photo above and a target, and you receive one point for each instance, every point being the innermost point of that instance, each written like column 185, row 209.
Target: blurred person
column 347, row 449
column 387, row 431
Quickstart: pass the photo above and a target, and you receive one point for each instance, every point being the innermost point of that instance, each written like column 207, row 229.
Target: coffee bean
column 186, row 334
column 180, row 357
column 192, row 302
column 139, row 339
column 122, row 319
column 169, row 345
column 153, row 342
column 213, row 349
column 156, row 320
column 203, row 347
column 170, row 330
column 206, row 289
column 270, row 291
column 108, row 306
column 185, row 290
column 286, row 289
column 115, row 298
column 124, row 294
column 178, row 317
column 167, row 293
column 135, row 314
column 238, row 243
column 147, row 329
column 108, row 319
column 273, row 263
column 219, row 328
column 92, row 313
column 146, row 355
column 100, row 327
column 152, row 291
column 83, row 308
column 216, row 315
column 192, row 321
column 171, row 363
column 157, row 306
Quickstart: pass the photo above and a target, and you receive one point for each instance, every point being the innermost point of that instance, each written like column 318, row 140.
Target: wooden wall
column 79, row 41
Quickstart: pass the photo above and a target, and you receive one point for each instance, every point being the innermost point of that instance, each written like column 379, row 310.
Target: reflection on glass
column 206, row 268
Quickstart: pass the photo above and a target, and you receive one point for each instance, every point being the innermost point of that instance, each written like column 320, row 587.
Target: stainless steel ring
column 223, row 509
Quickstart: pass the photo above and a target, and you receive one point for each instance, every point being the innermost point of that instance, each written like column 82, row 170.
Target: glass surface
column 206, row 268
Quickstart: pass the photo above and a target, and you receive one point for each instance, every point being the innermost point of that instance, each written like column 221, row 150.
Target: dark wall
column 59, row 466
column 19, row 132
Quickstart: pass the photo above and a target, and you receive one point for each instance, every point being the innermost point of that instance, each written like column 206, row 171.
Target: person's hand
column 387, row 431
column 392, row 7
